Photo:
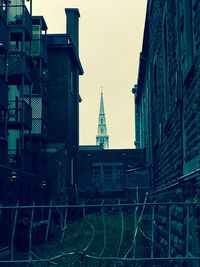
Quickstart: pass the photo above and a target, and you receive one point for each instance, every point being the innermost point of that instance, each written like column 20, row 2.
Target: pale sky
column 110, row 40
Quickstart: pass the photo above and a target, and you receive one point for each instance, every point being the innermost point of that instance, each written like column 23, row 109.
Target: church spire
column 101, row 111
column 102, row 138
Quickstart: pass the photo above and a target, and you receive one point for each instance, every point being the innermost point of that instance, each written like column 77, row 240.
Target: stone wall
column 172, row 81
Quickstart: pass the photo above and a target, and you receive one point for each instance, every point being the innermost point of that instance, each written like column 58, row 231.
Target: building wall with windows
column 167, row 115
column 20, row 68
column 167, row 88
column 106, row 172
column 4, row 41
column 63, row 100
column 25, row 95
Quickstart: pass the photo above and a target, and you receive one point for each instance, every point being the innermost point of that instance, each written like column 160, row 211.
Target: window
column 186, row 36
column 36, row 32
column 160, row 133
column 165, row 63
column 72, row 82
column 107, row 170
column 196, row 25
column 72, row 171
column 101, row 130
column 150, row 7
column 118, row 172
column 96, row 171
column 101, row 141
column 155, row 101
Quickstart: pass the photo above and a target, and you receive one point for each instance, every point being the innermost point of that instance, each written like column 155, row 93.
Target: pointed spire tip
column 101, row 90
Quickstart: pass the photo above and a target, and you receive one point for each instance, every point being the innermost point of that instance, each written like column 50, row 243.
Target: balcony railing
column 38, row 127
column 20, row 18
column 3, row 35
column 3, row 94
column 19, row 115
column 39, row 49
column 19, row 64
column 2, row 65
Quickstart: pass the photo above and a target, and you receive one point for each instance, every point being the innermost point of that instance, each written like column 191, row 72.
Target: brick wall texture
column 172, row 80
column 175, row 131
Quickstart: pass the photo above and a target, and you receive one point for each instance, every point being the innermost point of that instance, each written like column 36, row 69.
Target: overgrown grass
column 78, row 235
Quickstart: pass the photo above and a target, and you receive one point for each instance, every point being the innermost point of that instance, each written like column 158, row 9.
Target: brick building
column 167, row 88
column 112, row 173
column 63, row 103
column 28, row 70
column 26, row 90
column 167, row 111
column 4, row 41
column 23, row 60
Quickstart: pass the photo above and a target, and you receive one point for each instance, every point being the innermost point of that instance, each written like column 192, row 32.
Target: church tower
column 102, row 138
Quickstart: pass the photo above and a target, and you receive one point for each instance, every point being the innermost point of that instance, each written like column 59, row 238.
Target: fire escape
column 3, row 84
column 19, row 79
column 39, row 98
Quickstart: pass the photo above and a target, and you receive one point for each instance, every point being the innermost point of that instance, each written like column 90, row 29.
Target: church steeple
column 102, row 138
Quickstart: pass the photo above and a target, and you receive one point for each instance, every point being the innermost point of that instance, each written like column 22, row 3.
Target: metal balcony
column 19, row 65
column 39, row 128
column 39, row 49
column 19, row 115
column 2, row 65
column 19, row 19
column 3, row 94
column 3, row 35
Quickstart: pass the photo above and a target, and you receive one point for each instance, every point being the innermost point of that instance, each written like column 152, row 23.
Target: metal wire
column 64, row 227
column 13, row 232
column 122, row 230
column 136, row 230
column 102, row 205
column 62, row 210
column 93, row 230
column 145, row 235
column 104, row 231
column 30, row 232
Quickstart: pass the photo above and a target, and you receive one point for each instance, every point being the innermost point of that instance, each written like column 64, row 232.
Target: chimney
column 73, row 25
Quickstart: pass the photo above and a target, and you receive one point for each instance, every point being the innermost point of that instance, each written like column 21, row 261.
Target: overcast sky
column 110, row 41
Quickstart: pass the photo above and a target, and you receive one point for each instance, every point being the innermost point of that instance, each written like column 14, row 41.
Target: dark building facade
column 4, row 41
column 22, row 63
column 166, row 95
column 33, row 78
column 63, row 99
column 111, row 173
column 23, row 52
column 39, row 92
column 167, row 112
